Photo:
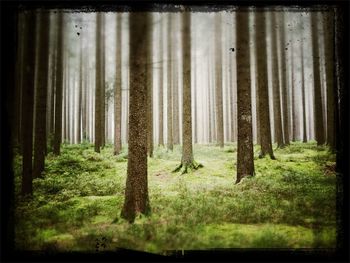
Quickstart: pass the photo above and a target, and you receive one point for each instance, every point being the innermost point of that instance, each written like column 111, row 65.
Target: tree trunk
column 98, row 84
column 80, row 94
column 209, row 104
column 149, row 76
column 245, row 158
column 41, row 95
column 28, row 100
column 276, row 84
column 175, row 89
column 169, row 89
column 136, row 192
column 264, row 116
column 292, row 87
column 161, row 88
column 103, row 82
column 284, row 81
column 218, row 82
column 118, row 90
column 319, row 125
column 303, row 89
column 328, row 48
column 59, row 86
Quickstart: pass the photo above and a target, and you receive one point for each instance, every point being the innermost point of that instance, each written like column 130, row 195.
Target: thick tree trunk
column 59, row 87
column 245, row 158
column 136, row 192
column 161, row 88
column 169, row 89
column 328, row 48
column 41, row 95
column 284, row 81
column 218, row 82
column 319, row 125
column 276, row 84
column 264, row 116
column 118, row 90
column 149, row 76
column 28, row 100
column 98, row 85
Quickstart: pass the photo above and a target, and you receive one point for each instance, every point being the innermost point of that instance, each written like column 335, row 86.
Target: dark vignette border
column 9, row 12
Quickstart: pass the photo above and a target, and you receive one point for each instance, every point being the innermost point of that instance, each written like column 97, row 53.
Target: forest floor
column 290, row 203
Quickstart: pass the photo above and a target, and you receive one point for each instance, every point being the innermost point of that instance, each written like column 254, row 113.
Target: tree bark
column 319, row 125
column 59, row 87
column 98, row 85
column 149, row 76
column 245, row 158
column 118, row 90
column 169, row 89
column 303, row 90
column 41, row 95
column 161, row 88
column 264, row 116
column 136, row 192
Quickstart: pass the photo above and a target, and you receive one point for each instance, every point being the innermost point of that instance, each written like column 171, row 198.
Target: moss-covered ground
column 290, row 203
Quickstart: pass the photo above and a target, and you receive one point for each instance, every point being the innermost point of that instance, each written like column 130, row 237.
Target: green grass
column 290, row 203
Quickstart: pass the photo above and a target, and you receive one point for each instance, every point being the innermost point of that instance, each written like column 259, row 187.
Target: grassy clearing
column 290, row 203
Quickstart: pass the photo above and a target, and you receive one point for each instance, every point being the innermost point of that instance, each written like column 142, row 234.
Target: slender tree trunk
column 195, row 139
column 136, row 192
column 276, row 84
column 264, row 116
column 209, row 104
column 149, row 76
column 319, row 125
column 284, row 81
column 294, row 116
column 169, row 89
column 80, row 95
column 161, row 88
column 59, row 87
column 28, row 100
column 328, row 48
column 245, row 158
column 103, row 82
column 41, row 95
column 303, row 90
column 175, row 96
column 98, row 84
column 118, row 90
column 218, row 82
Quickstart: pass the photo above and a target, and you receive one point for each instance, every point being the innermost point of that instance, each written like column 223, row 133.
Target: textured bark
column 41, row 95
column 161, row 88
column 264, row 116
column 276, row 84
column 218, row 83
column 169, row 88
column 245, row 160
column 319, row 125
column 328, row 49
column 303, row 90
column 284, row 81
column 59, row 87
column 118, row 90
column 149, row 76
column 27, row 101
column 98, row 85
column 136, row 192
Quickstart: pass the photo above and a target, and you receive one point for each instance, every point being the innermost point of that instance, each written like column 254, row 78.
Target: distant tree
column 245, row 158
column 118, row 90
column 187, row 160
column 276, row 84
column 169, row 88
column 136, row 192
column 303, row 90
column 218, row 82
column 41, row 94
column 264, row 116
column 59, row 86
column 103, row 80
column 161, row 87
column 28, row 100
column 98, row 84
column 292, row 87
column 80, row 91
column 319, row 125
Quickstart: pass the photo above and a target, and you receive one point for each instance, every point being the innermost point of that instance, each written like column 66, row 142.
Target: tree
column 169, row 89
column 136, row 192
column 103, row 82
column 98, row 85
column 218, row 82
column 80, row 94
column 264, row 117
column 303, row 90
column 58, row 86
column 161, row 87
column 284, row 81
column 245, row 160
column 319, row 125
column 28, row 100
column 118, row 90
column 276, row 84
column 292, row 87
column 41, row 94
column 149, row 76
column 187, row 160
